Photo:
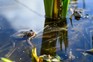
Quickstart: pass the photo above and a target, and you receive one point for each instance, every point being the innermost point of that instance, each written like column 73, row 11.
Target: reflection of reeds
column 63, row 39
column 84, row 5
column 52, row 34
column 63, row 34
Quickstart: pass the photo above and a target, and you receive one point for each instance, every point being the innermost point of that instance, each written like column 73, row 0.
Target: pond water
column 63, row 37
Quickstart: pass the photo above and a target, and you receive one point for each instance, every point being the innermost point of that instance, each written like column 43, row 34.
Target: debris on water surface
column 44, row 58
column 86, row 16
column 49, row 58
column 71, row 56
column 86, row 52
column 20, row 58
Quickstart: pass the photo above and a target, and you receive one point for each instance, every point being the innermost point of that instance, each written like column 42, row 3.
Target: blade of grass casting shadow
column 12, row 50
column 5, row 45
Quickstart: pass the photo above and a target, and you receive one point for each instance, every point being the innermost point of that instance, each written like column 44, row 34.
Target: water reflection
column 63, row 34
column 84, row 4
column 5, row 32
column 57, row 31
column 92, row 41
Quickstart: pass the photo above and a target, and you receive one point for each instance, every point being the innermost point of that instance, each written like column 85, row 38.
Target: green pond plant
column 56, row 8
column 48, row 7
column 44, row 58
column 65, row 7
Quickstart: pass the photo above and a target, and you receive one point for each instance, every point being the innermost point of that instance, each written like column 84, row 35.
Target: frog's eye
column 31, row 30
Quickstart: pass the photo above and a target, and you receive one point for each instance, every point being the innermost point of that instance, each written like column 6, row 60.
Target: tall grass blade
column 65, row 8
column 55, row 9
column 48, row 7
column 6, row 59
column 34, row 55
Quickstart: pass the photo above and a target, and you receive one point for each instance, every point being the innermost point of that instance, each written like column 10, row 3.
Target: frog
column 77, row 13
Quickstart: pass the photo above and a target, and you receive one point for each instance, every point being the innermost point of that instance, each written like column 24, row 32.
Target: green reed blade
column 65, row 8
column 48, row 7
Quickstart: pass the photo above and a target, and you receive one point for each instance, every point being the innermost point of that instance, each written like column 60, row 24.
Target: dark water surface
column 61, row 37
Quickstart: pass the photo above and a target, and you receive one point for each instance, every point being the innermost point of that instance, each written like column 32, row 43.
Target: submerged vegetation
column 44, row 58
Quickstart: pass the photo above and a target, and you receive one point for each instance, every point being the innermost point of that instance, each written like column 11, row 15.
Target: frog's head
column 77, row 15
column 31, row 30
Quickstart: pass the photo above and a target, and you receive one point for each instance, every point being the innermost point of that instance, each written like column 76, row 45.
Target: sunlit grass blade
column 35, row 58
column 55, row 9
column 48, row 7
column 6, row 60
